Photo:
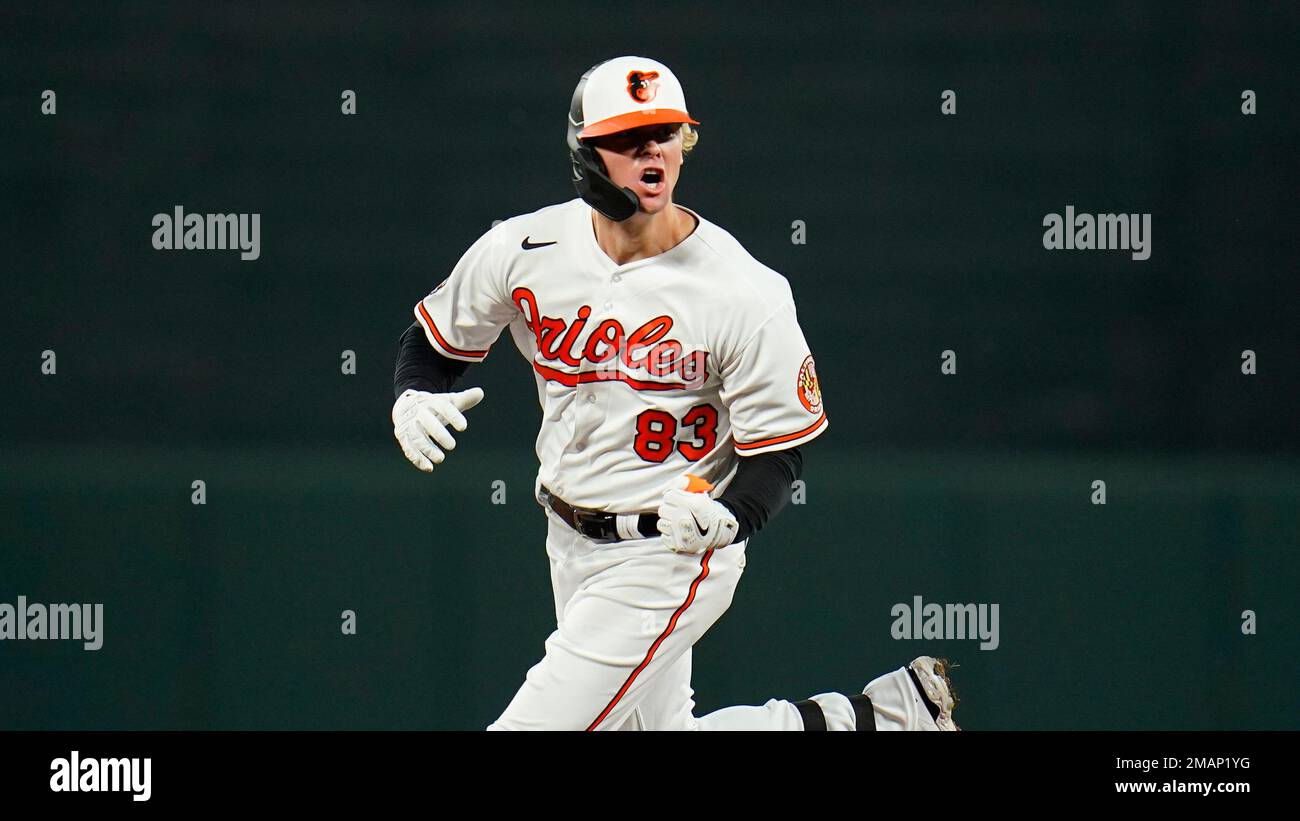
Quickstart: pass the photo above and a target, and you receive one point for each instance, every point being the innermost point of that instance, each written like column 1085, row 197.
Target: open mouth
column 653, row 180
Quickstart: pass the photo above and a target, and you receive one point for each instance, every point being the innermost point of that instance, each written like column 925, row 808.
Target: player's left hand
column 690, row 521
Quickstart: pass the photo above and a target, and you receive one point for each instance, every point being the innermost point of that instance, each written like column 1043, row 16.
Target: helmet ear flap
column 597, row 160
column 590, row 177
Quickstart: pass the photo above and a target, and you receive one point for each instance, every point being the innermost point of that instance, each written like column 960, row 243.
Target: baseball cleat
column 916, row 697
column 930, row 676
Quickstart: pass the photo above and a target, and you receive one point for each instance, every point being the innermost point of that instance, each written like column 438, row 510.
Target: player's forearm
column 761, row 488
column 421, row 368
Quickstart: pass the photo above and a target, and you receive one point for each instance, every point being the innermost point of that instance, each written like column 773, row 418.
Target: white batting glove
column 420, row 421
column 690, row 521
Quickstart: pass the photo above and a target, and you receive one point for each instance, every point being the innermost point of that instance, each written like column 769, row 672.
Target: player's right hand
column 420, row 421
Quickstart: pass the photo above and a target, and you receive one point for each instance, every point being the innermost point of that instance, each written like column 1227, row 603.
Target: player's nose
column 650, row 145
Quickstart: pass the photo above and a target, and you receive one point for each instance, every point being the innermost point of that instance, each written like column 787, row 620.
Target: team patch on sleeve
column 766, row 411
column 807, row 388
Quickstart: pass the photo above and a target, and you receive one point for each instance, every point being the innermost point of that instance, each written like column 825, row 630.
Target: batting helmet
column 612, row 96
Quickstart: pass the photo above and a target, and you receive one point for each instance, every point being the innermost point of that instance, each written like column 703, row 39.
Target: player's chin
column 653, row 198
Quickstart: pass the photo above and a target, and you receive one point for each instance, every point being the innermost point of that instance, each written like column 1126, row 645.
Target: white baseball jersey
column 678, row 363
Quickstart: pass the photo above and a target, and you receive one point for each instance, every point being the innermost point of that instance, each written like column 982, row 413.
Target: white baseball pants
column 627, row 615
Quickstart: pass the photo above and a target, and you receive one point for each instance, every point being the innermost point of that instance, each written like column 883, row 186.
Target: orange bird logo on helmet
column 642, row 86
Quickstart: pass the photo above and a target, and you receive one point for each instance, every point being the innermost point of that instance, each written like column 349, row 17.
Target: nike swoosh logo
column 528, row 246
column 702, row 531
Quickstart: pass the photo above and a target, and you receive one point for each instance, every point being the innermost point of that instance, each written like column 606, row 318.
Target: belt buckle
column 588, row 524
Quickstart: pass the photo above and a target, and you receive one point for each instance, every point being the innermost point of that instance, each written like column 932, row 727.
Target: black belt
column 597, row 525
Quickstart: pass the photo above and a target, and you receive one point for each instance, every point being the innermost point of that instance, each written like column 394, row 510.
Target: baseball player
column 676, row 389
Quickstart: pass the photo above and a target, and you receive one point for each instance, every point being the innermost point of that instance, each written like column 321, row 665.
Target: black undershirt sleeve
column 761, row 487
column 421, row 368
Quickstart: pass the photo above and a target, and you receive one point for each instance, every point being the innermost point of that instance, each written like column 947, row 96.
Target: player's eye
column 667, row 133
column 629, row 140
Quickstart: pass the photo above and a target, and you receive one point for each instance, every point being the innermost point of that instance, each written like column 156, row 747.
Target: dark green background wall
column 924, row 234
